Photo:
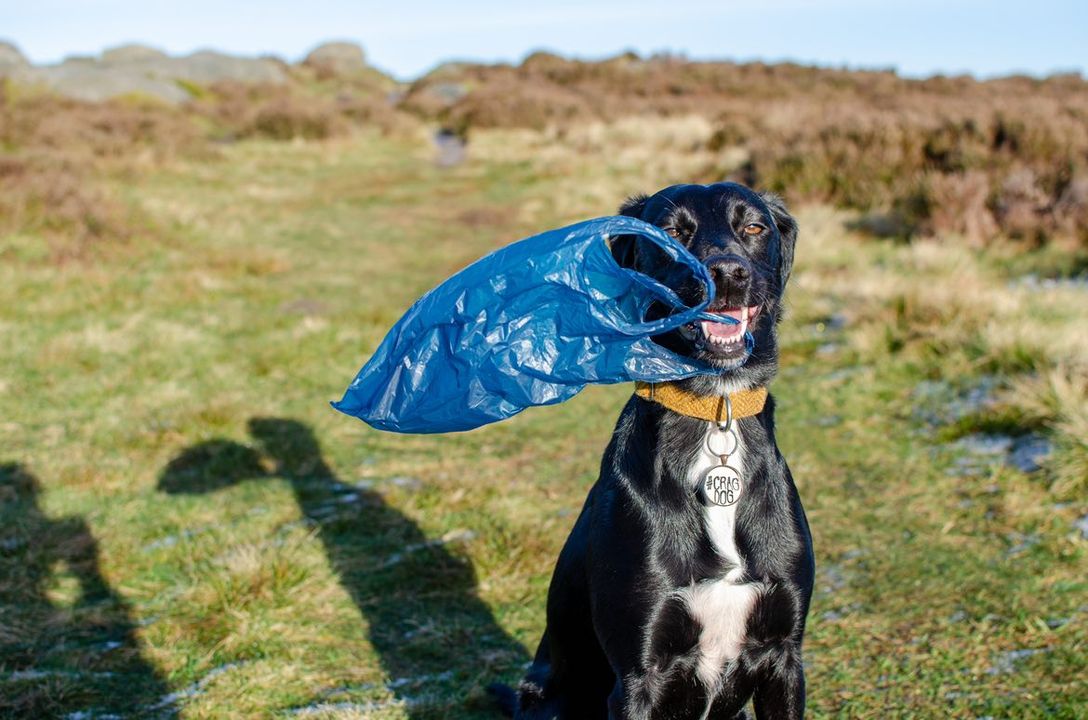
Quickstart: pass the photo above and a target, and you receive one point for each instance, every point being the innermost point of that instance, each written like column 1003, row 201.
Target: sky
column 924, row 37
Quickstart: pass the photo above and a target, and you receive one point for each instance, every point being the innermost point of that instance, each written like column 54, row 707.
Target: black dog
column 678, row 595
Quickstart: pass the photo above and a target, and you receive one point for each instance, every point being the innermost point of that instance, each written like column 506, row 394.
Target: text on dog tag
column 722, row 486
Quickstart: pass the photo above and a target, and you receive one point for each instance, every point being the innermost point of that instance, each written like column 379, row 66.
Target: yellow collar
column 745, row 403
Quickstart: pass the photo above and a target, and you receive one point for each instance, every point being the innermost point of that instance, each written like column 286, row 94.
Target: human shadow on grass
column 68, row 645
column 424, row 618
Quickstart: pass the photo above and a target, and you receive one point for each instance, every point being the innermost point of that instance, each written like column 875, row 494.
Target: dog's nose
column 732, row 277
column 730, row 270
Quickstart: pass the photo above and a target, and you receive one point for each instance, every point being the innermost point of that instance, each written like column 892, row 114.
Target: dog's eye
column 673, row 232
column 753, row 229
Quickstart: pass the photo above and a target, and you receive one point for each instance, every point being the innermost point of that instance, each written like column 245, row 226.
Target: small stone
column 830, row 577
column 985, row 444
column 1027, row 451
column 1082, row 525
column 1006, row 662
column 842, row 374
column 13, row 543
column 404, row 482
column 458, row 535
column 451, row 148
column 1021, row 542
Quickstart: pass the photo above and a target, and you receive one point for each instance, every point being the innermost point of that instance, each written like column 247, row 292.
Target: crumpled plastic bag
column 530, row 324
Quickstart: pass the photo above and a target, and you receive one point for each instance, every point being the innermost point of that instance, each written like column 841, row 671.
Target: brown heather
column 943, row 155
column 949, row 156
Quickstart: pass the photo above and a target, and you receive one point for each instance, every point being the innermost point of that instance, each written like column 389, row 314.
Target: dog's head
column 746, row 240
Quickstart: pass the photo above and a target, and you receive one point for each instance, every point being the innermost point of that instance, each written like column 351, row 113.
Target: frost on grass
column 453, row 536
column 1008, row 662
column 329, row 705
column 1082, row 525
column 193, row 689
column 979, row 452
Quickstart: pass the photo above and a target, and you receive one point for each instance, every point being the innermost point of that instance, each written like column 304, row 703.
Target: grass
column 188, row 529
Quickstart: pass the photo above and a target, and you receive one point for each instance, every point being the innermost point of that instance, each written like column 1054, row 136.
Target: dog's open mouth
column 724, row 339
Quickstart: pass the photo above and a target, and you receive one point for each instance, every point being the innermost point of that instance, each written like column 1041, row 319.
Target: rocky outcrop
column 11, row 59
column 129, row 54
column 337, row 58
column 139, row 70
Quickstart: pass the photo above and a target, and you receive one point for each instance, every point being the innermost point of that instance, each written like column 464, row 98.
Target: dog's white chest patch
column 721, row 606
column 720, row 520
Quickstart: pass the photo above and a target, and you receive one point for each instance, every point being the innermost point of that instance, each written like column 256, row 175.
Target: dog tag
column 721, row 442
column 722, row 486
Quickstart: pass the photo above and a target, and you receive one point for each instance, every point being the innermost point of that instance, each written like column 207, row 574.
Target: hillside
column 188, row 530
column 980, row 161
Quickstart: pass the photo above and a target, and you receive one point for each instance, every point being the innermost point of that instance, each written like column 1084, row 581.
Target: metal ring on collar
column 728, row 404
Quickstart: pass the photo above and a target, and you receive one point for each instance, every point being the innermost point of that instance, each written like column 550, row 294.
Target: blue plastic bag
column 529, row 324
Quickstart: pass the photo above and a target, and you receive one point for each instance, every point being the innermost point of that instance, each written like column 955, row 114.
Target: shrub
column 945, row 154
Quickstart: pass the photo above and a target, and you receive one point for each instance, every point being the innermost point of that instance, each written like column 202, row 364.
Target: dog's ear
column 787, row 231
column 634, row 205
column 625, row 247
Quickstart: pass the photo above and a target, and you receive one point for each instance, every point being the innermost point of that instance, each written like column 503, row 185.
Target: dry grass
column 57, row 153
column 1058, row 398
column 182, row 516
column 948, row 157
column 63, row 159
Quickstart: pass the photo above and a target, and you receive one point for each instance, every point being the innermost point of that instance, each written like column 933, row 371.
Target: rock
column 449, row 93
column 1007, row 662
column 1082, row 525
column 408, row 484
column 207, row 67
column 451, row 149
column 985, row 444
column 11, row 59
column 92, row 83
column 338, row 58
column 982, row 449
column 830, row 578
column 134, row 53
column 1027, row 451
column 1020, row 543
column 141, row 70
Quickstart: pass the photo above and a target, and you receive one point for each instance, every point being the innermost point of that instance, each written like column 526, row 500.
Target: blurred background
column 210, row 216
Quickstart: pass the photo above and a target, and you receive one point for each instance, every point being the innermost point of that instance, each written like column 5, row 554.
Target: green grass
column 187, row 528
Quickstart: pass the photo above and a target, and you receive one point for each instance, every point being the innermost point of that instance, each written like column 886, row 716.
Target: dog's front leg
column 780, row 694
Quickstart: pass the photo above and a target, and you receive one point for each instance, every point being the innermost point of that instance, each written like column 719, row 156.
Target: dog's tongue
column 727, row 329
